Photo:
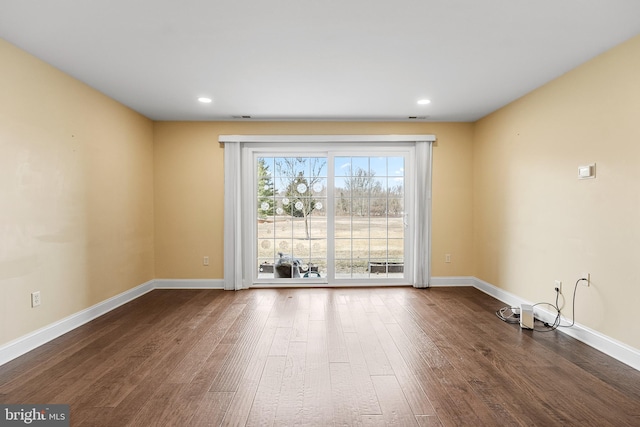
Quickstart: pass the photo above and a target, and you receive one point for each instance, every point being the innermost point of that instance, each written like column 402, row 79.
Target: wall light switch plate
column 587, row 171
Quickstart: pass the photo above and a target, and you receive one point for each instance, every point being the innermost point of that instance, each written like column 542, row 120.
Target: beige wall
column 81, row 176
column 76, row 195
column 84, row 181
column 535, row 222
column 189, row 190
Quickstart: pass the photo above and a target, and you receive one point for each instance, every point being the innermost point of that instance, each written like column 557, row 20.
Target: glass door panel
column 369, row 219
column 292, row 222
column 330, row 219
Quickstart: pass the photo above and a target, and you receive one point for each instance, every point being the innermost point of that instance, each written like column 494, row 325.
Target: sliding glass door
column 337, row 216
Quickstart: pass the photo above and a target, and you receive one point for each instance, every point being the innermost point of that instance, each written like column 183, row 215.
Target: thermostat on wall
column 587, row 171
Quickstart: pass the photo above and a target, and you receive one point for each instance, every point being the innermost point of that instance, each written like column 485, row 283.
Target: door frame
column 330, row 151
column 237, row 275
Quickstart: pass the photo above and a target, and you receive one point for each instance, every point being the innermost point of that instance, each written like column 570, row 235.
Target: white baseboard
column 609, row 346
column 189, row 283
column 28, row 342
column 450, row 281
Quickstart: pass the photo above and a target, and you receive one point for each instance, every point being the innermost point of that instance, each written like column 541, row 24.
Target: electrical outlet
column 557, row 286
column 205, row 260
column 447, row 258
column 35, row 299
column 587, row 278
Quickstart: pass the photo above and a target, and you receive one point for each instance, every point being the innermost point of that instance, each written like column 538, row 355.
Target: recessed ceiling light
column 204, row 100
column 424, row 102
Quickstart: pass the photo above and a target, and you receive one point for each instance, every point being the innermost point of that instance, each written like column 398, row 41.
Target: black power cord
column 512, row 315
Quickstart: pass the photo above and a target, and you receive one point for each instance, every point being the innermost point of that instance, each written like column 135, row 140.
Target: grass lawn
column 358, row 241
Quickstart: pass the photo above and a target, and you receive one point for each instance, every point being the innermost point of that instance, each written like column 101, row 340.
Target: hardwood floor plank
column 211, row 409
column 42, row 358
column 610, row 371
column 365, row 393
column 219, row 322
column 469, row 403
column 238, row 360
column 416, row 345
column 455, row 346
column 384, row 314
column 526, row 352
column 428, row 421
column 160, row 410
column 265, row 404
column 367, row 302
column 395, row 409
column 596, row 396
column 91, row 335
column 242, row 402
column 210, row 369
column 422, row 341
column 68, row 371
column 300, row 327
column 317, row 304
column 93, row 417
column 416, row 397
column 428, row 357
column 238, row 328
column 285, row 308
column 336, row 345
column 373, row 421
column 488, row 375
column 171, row 340
column 377, row 362
column 345, row 318
column 317, row 406
column 589, row 408
column 344, row 396
column 280, row 343
column 291, row 402
column 136, row 377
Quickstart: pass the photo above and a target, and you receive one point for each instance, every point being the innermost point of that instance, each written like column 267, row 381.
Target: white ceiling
column 317, row 59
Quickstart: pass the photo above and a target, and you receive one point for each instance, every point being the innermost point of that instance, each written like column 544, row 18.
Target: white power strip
column 526, row 316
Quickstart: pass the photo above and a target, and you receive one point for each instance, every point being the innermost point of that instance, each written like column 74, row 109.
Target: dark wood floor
column 319, row 357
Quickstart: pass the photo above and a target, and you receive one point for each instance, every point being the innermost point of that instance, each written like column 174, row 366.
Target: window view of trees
column 292, row 224
column 366, row 221
column 265, row 190
column 364, row 195
column 303, row 180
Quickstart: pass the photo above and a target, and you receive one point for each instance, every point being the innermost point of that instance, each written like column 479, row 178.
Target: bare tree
column 361, row 188
column 300, row 175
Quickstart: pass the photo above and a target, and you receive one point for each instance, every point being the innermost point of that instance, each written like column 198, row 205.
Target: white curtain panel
column 422, row 215
column 233, row 279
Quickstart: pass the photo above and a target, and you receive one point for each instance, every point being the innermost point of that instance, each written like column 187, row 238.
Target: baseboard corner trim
column 26, row 343
column 189, row 284
column 437, row 281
